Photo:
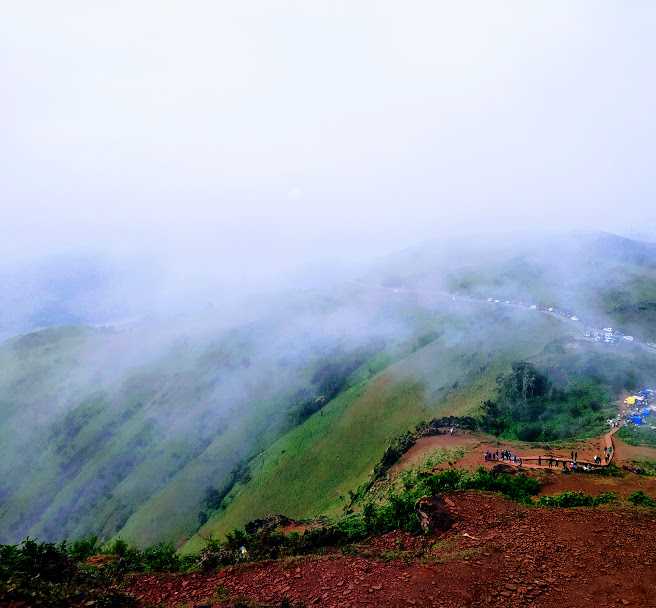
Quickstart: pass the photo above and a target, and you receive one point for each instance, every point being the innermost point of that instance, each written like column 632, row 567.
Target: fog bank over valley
column 247, row 246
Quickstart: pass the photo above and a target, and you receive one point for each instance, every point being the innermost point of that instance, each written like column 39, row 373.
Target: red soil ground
column 476, row 444
column 498, row 553
column 554, row 482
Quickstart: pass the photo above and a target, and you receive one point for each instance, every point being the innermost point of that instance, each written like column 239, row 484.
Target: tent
column 633, row 400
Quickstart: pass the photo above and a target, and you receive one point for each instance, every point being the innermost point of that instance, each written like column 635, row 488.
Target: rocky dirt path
column 476, row 444
column 555, row 459
column 498, row 553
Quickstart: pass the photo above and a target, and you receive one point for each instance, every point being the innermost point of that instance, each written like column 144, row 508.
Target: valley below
column 432, row 433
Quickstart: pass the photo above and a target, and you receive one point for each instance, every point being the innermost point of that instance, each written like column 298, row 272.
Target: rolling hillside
column 187, row 428
column 311, row 470
column 127, row 432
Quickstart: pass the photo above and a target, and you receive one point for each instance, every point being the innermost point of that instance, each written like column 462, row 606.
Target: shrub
column 84, row 548
column 576, row 499
column 44, row 575
column 397, row 510
column 213, row 555
column 516, row 487
column 639, row 498
column 161, row 557
column 611, row 470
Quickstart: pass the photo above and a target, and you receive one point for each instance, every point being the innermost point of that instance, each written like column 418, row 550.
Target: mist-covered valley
column 360, row 296
column 145, row 429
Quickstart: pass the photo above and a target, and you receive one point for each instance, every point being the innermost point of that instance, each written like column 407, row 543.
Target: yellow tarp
column 632, row 400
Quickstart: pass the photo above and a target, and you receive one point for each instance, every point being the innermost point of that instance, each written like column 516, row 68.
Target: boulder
column 433, row 514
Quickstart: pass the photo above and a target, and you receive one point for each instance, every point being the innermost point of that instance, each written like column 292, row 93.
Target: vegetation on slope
column 638, row 435
column 134, row 446
column 313, row 468
column 84, row 573
column 44, row 575
column 529, row 407
column 148, row 433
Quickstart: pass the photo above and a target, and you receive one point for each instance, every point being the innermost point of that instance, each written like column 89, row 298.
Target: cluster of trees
column 530, row 407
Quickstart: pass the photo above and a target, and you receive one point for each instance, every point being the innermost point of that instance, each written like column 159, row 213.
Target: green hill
column 127, row 432
column 186, row 428
column 311, row 469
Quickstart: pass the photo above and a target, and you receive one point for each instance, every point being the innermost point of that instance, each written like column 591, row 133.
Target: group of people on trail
column 608, row 450
column 552, row 460
column 502, row 455
column 568, row 465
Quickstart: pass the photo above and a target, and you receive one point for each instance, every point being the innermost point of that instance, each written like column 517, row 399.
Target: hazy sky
column 289, row 127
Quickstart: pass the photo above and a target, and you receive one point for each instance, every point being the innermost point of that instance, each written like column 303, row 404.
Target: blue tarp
column 645, row 412
column 636, row 419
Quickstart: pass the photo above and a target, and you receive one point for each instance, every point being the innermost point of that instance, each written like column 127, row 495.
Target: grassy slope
column 149, row 441
column 132, row 451
column 99, row 451
column 308, row 471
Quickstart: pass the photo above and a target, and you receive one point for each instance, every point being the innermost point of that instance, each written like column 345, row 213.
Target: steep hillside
column 128, row 432
column 154, row 430
column 311, row 470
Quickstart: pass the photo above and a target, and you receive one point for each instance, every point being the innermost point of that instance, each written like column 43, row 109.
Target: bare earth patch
column 498, row 553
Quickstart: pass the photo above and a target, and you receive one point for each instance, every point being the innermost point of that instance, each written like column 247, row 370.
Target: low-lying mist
column 220, row 221
column 109, row 427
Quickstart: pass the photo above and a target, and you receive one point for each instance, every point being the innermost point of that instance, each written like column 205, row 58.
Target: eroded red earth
column 498, row 553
